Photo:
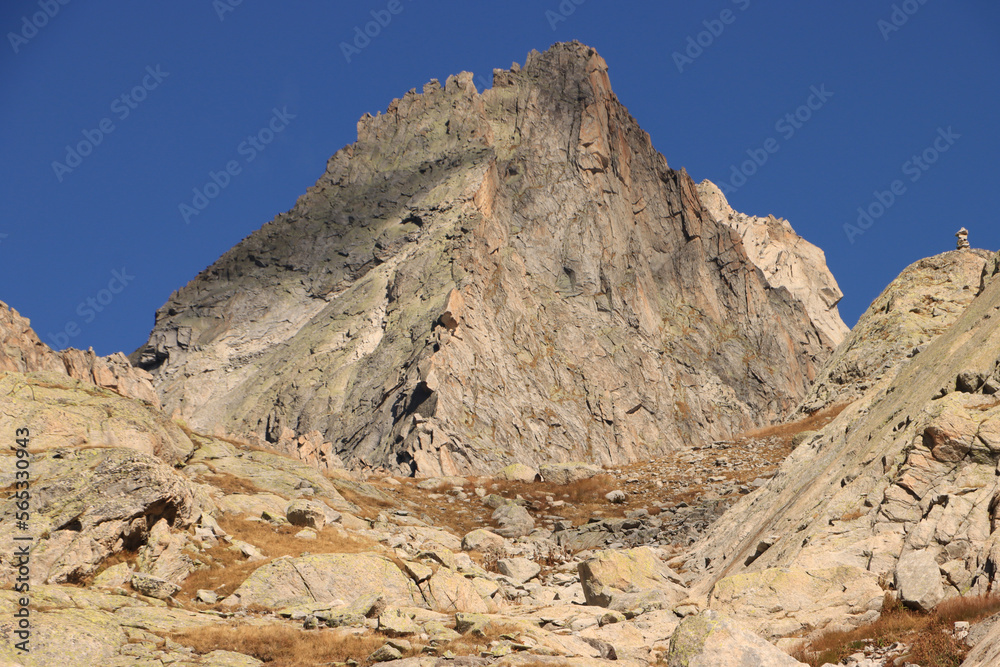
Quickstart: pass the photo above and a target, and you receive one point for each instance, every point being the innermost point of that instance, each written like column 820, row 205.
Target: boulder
column 518, row 472
column 385, row 654
column 778, row 602
column 287, row 582
column 396, row 623
column 449, row 591
column 114, row 577
column 153, row 587
column 482, row 540
column 617, row 496
column 710, row 640
column 918, row 580
column 306, row 513
column 518, row 569
column 89, row 504
column 165, row 554
column 624, row 574
column 475, row 624
column 513, row 521
column 567, row 473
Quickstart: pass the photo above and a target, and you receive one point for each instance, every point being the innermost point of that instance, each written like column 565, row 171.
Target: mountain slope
column 480, row 278
column 900, row 491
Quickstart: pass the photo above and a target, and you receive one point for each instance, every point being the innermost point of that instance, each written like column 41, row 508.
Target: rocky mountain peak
column 484, row 277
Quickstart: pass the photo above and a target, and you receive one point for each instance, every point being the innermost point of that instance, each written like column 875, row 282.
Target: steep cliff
column 485, row 277
column 786, row 259
column 901, row 490
column 21, row 351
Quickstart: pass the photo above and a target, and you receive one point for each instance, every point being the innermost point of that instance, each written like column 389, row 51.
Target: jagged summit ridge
column 485, row 277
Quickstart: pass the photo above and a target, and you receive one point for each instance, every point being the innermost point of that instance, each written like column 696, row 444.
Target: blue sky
column 165, row 94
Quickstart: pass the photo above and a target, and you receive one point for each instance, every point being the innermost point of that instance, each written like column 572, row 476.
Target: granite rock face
column 919, row 305
column 900, row 489
column 786, row 259
column 21, row 351
column 482, row 278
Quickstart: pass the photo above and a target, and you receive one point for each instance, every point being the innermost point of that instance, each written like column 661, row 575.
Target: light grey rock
column 306, row 513
column 482, row 540
column 710, row 640
column 153, row 587
column 518, row 569
column 513, row 521
column 918, row 580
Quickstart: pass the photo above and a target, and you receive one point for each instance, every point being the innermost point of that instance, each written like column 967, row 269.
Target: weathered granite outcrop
column 919, row 305
column 511, row 275
column 87, row 504
column 899, row 491
column 22, row 351
column 786, row 259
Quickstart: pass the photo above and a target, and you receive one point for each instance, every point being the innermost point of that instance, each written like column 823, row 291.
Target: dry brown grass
column 580, row 499
column 929, row 635
column 851, row 516
column 230, row 484
column 232, row 568
column 287, row 646
column 282, row 645
column 368, row 505
column 789, row 430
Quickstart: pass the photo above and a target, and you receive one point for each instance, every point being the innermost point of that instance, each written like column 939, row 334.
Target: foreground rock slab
column 711, row 640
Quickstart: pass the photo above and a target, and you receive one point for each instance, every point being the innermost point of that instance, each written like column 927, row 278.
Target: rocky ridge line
column 488, row 277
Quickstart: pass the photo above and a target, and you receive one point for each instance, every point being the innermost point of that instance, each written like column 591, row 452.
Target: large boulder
column 287, row 581
column 483, row 540
column 513, row 521
column 567, row 473
column 518, row 569
column 306, row 513
column 778, row 602
column 918, row 580
column 518, row 472
column 449, row 591
column 168, row 555
column 616, row 578
column 88, row 504
column 710, row 640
